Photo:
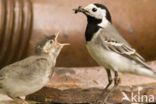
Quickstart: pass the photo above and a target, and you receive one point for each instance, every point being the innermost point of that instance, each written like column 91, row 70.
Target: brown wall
column 135, row 20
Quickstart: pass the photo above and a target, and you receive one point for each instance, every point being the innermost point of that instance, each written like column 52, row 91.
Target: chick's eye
column 94, row 9
column 51, row 42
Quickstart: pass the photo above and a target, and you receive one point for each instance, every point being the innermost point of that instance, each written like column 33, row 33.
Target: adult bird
column 108, row 48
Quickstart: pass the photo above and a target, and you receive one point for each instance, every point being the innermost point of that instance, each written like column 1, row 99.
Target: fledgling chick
column 32, row 73
column 107, row 46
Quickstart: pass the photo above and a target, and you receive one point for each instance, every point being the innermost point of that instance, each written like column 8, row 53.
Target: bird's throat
column 92, row 27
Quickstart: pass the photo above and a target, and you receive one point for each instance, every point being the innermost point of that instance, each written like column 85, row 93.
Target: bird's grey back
column 110, row 32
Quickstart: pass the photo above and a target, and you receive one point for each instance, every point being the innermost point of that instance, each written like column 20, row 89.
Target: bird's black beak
column 80, row 9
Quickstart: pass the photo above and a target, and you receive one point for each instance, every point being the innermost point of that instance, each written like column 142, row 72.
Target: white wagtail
column 30, row 74
column 107, row 46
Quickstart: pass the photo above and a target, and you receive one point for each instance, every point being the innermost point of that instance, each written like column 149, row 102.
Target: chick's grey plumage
column 26, row 76
column 30, row 74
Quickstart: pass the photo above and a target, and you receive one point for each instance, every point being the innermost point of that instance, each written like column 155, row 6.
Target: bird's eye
column 94, row 9
column 51, row 42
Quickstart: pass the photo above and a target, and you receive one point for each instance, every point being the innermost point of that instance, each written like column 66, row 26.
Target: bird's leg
column 109, row 79
column 109, row 83
column 18, row 100
column 116, row 83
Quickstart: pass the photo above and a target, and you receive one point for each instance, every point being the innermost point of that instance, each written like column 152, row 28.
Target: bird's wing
column 119, row 45
column 1, row 76
column 23, row 68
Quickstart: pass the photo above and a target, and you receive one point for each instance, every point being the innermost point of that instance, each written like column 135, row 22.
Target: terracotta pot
column 15, row 29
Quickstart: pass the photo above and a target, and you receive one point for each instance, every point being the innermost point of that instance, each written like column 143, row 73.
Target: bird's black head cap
column 42, row 42
column 108, row 16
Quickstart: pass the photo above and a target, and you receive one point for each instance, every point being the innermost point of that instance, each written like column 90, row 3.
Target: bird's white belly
column 109, row 59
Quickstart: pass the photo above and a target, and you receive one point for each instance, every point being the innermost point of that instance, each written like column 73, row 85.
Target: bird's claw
column 25, row 103
column 100, row 101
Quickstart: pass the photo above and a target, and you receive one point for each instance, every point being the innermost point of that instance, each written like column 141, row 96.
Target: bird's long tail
column 147, row 71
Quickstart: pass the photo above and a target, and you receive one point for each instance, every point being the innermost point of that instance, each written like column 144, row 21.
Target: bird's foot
column 100, row 101
column 25, row 102
column 19, row 100
column 106, row 98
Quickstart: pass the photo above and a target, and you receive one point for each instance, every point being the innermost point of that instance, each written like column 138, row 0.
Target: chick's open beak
column 80, row 9
column 56, row 41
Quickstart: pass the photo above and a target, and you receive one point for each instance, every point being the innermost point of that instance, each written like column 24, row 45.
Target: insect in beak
column 80, row 9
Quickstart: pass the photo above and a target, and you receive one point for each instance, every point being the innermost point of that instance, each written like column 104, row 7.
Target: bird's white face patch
column 52, row 48
column 49, row 47
column 95, row 11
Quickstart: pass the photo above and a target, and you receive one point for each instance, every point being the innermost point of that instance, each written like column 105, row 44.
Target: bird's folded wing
column 26, row 66
column 1, row 76
column 123, row 49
